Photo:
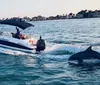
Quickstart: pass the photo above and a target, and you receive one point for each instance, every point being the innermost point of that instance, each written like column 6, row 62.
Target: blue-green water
column 64, row 38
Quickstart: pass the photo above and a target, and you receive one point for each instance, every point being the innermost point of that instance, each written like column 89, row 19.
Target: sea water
column 63, row 39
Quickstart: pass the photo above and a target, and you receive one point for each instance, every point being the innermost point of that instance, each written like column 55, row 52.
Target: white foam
column 64, row 47
column 55, row 49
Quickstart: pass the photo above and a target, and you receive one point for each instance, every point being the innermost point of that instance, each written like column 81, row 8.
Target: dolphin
column 87, row 54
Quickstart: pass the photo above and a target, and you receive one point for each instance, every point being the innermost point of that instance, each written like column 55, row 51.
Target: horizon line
column 44, row 15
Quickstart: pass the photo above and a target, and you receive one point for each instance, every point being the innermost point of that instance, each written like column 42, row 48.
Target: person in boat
column 40, row 46
column 17, row 34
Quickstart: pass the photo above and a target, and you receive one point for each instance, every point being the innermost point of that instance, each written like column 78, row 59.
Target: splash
column 58, row 49
column 63, row 49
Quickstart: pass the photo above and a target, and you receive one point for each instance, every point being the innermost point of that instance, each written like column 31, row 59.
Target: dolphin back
column 87, row 54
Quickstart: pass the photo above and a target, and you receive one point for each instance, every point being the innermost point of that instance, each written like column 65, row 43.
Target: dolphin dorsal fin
column 89, row 48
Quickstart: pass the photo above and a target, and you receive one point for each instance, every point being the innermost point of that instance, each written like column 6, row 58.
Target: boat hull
column 16, row 44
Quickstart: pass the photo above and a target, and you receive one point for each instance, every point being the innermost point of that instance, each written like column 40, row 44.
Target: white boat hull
column 17, row 44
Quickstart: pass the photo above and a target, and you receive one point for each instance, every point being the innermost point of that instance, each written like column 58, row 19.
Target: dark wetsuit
column 40, row 45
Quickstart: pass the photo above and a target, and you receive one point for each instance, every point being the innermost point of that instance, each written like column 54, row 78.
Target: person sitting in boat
column 40, row 46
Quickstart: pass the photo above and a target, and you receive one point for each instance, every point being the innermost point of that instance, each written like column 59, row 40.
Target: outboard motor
column 40, row 45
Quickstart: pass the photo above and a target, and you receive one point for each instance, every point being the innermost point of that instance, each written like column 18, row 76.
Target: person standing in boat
column 17, row 35
column 40, row 46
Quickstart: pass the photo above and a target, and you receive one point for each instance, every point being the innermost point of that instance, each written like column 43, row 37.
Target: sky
column 31, row 8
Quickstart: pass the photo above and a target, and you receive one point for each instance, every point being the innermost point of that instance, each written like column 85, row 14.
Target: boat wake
column 63, row 49
column 58, row 49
